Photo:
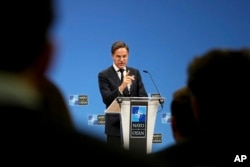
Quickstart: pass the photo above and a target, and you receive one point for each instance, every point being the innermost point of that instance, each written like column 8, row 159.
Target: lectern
column 138, row 115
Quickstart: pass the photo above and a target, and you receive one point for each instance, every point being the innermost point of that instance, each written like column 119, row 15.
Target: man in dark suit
column 112, row 85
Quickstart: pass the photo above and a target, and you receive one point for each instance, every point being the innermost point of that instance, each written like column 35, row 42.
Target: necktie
column 121, row 70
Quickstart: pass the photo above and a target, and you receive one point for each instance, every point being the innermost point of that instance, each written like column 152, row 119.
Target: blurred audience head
column 219, row 85
column 25, row 38
column 183, row 123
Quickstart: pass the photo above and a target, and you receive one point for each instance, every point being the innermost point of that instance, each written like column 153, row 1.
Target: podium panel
column 138, row 115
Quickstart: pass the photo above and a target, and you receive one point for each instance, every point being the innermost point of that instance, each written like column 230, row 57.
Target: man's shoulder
column 198, row 152
column 107, row 69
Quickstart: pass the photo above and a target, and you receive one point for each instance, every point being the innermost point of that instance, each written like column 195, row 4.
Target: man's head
column 183, row 123
column 120, row 53
column 219, row 82
column 25, row 28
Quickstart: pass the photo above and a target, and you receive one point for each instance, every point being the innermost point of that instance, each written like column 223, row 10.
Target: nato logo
column 92, row 120
column 77, row 100
column 96, row 119
column 138, row 114
column 138, row 121
column 166, row 118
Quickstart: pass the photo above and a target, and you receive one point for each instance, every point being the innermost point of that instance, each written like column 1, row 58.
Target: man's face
column 120, row 57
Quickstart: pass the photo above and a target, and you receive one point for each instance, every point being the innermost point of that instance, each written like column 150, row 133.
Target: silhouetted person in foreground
column 219, row 85
column 183, row 123
column 32, row 132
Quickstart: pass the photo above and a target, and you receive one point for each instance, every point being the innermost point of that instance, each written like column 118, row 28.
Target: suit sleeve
column 107, row 94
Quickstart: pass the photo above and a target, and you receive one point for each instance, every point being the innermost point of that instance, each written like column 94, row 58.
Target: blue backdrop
column 163, row 35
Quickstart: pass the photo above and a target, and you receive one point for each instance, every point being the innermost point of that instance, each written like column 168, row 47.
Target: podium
column 137, row 115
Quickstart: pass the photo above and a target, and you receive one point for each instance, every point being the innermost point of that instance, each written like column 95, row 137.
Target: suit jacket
column 109, row 82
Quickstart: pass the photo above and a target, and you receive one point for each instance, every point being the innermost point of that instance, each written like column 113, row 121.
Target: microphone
column 160, row 101
column 128, row 86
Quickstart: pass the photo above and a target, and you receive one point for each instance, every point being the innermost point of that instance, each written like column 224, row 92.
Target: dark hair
column 119, row 44
column 219, row 80
column 25, row 28
column 181, row 109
